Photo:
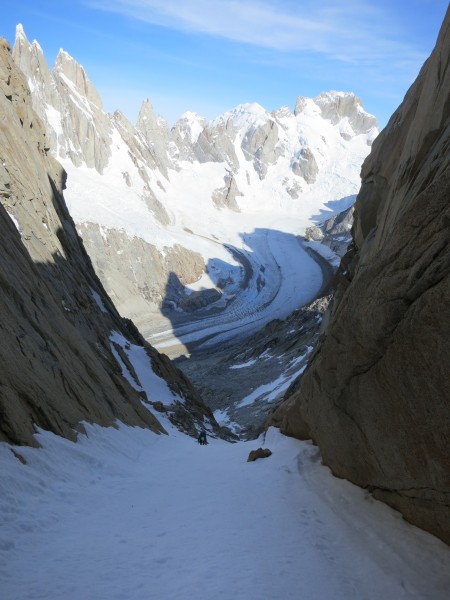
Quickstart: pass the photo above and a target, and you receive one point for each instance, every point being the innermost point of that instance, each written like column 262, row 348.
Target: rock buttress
column 376, row 395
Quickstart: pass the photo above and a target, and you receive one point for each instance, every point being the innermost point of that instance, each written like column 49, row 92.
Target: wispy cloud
column 354, row 31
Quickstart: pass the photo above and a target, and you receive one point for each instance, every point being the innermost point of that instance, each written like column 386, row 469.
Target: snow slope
column 128, row 514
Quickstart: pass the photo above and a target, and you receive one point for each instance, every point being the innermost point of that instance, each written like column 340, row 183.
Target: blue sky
column 208, row 56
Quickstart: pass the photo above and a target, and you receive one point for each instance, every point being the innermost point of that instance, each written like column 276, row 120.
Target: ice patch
column 99, row 301
column 249, row 363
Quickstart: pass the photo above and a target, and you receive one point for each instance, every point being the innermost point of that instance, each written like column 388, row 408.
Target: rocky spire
column 30, row 58
column 68, row 68
column 156, row 134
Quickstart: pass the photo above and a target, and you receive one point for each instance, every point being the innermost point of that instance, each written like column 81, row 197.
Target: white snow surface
column 15, row 221
column 156, row 388
column 127, row 514
column 269, row 391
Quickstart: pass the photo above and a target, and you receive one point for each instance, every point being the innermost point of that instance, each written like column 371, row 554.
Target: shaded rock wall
column 376, row 395
column 125, row 264
column 57, row 368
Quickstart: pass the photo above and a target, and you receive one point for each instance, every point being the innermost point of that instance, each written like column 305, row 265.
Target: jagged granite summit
column 376, row 394
column 156, row 205
column 63, row 351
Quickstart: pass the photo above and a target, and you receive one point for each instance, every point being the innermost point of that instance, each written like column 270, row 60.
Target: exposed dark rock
column 274, row 350
column 376, row 394
column 57, row 366
column 259, row 453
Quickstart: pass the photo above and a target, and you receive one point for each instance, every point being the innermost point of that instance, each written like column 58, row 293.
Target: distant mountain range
column 160, row 210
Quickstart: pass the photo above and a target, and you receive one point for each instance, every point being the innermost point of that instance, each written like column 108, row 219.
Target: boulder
column 259, row 453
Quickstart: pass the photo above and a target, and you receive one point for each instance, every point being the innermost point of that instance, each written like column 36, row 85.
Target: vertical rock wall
column 376, row 395
column 56, row 365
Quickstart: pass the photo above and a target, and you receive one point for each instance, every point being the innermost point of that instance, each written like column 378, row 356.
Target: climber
column 202, row 438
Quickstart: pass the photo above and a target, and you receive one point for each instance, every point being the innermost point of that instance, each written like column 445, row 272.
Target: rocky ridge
column 247, row 160
column 376, row 395
column 58, row 363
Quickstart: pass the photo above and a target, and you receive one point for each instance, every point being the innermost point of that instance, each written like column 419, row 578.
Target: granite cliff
column 64, row 356
column 376, row 394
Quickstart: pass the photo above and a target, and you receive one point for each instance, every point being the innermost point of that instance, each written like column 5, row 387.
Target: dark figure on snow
column 202, row 438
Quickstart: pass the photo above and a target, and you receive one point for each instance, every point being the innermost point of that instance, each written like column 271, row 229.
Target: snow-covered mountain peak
column 248, row 168
column 156, row 136
column 345, row 106
column 68, row 103
column 147, row 113
column 26, row 52
column 284, row 112
column 151, row 125
column 190, row 115
column 251, row 108
column 21, row 37
column 243, row 116
column 31, row 60
column 192, row 119
column 146, row 109
column 303, row 105
column 189, row 126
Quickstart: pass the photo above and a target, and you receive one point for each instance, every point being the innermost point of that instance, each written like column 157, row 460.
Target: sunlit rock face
column 376, row 395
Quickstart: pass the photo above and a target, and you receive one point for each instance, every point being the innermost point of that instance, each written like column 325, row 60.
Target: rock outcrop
column 58, row 366
column 376, row 394
column 335, row 232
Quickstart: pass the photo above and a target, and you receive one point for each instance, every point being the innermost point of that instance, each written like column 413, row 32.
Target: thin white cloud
column 354, row 31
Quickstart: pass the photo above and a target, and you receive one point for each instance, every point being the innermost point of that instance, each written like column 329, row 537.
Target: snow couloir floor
column 126, row 514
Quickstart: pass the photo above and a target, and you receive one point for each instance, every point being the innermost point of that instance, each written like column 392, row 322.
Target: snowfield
column 127, row 514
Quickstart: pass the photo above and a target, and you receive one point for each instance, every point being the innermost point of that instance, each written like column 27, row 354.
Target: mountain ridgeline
column 376, row 394
column 63, row 356
column 168, row 200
